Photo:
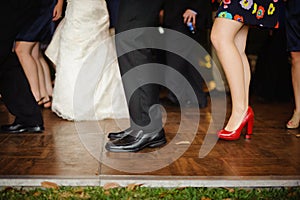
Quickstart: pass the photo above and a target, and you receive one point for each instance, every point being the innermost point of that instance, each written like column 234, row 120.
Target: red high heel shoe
column 234, row 135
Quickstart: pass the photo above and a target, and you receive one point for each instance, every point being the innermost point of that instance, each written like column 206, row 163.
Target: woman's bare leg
column 294, row 121
column 240, row 42
column 296, row 79
column 41, row 74
column 24, row 52
column 47, row 74
column 228, row 38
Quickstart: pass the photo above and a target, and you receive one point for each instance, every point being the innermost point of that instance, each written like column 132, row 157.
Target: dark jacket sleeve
column 174, row 10
column 204, row 13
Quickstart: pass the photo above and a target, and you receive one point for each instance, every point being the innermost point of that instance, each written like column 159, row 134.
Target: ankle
column 297, row 112
column 239, row 112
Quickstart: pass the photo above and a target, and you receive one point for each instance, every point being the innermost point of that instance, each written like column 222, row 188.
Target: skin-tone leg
column 296, row 79
column 47, row 75
column 294, row 121
column 229, row 39
column 41, row 75
column 240, row 42
column 24, row 53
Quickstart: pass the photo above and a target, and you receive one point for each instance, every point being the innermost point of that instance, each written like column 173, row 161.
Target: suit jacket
column 174, row 9
column 138, row 13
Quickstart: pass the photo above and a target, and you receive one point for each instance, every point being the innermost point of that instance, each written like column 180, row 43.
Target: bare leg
column 41, row 75
column 229, row 39
column 47, row 75
column 294, row 121
column 240, row 42
column 296, row 78
column 24, row 53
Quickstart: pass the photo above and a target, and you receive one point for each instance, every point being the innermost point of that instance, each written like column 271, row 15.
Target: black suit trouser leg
column 15, row 89
column 135, row 14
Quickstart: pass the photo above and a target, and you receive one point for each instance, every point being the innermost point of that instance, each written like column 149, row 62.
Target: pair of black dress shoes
column 21, row 128
column 134, row 140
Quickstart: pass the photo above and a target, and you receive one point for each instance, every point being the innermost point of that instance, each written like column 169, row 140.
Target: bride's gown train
column 87, row 82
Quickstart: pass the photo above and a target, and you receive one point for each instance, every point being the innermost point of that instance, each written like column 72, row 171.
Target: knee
column 216, row 39
column 23, row 50
column 295, row 56
column 19, row 51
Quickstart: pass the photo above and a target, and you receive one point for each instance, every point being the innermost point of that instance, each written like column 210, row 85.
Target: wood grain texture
column 61, row 151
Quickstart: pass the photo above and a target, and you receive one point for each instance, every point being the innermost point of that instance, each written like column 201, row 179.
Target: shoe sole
column 30, row 130
column 292, row 127
column 157, row 144
column 34, row 130
column 19, row 131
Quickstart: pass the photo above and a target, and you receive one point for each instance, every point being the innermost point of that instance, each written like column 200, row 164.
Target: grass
column 138, row 192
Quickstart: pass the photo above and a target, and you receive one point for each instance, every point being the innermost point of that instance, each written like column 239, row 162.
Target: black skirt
column 41, row 27
column 293, row 25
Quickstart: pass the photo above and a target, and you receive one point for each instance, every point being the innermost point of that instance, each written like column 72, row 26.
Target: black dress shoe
column 118, row 135
column 20, row 128
column 137, row 140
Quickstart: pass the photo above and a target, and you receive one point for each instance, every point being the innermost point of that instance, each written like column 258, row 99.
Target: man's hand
column 189, row 16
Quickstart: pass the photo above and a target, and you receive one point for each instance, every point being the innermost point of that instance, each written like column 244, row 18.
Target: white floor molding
column 154, row 181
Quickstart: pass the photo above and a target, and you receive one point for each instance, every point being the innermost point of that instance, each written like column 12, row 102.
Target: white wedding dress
column 87, row 82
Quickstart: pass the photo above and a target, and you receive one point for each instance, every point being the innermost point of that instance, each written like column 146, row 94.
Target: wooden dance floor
column 70, row 153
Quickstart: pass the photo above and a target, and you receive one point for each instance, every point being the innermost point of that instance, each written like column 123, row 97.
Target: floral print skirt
column 262, row 13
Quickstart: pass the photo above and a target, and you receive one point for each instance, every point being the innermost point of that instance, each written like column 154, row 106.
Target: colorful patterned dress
column 262, row 13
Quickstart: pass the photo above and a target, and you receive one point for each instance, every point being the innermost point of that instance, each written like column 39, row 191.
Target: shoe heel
column 248, row 137
column 249, row 128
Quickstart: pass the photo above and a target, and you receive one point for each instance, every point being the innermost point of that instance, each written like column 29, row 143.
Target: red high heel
column 234, row 135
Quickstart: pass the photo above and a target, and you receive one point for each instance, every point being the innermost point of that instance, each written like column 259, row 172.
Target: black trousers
column 136, row 14
column 14, row 87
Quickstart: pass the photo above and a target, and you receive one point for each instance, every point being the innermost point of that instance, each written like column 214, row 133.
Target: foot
column 294, row 121
column 137, row 140
column 47, row 102
column 20, row 128
column 235, row 120
column 247, row 121
column 40, row 101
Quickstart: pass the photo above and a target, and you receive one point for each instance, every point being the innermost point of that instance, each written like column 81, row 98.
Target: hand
column 189, row 16
column 161, row 17
column 57, row 11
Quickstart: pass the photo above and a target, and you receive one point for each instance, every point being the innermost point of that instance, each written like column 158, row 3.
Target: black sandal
column 40, row 102
column 47, row 103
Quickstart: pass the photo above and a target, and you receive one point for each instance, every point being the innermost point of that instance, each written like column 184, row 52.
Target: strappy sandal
column 47, row 103
column 294, row 121
column 40, row 102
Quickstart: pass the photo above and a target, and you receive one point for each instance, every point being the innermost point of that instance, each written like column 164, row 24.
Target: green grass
column 137, row 192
